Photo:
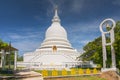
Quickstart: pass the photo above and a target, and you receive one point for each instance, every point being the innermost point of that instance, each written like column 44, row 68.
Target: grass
column 77, row 78
column 6, row 74
column 7, row 71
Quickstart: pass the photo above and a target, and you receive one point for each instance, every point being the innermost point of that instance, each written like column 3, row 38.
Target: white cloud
column 80, row 34
column 69, row 5
column 26, row 45
column 57, row 2
column 116, row 2
column 24, row 36
column 26, row 41
column 54, row 3
column 77, row 5
column 88, row 28
column 84, row 41
column 15, row 36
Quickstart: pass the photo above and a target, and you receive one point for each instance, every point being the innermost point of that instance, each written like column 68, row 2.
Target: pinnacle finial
column 56, row 17
column 56, row 11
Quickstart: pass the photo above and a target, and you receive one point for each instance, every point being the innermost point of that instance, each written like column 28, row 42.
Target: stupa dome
column 56, row 30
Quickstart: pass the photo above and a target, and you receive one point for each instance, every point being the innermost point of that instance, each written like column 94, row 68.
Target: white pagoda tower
column 55, row 52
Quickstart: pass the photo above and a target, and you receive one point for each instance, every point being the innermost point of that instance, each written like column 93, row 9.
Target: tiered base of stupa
column 50, row 60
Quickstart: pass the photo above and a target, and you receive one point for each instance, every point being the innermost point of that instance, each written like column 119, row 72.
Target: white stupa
column 55, row 51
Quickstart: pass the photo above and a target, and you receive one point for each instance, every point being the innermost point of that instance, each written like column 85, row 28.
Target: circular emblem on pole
column 107, row 23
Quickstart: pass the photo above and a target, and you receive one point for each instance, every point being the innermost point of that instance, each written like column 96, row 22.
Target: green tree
column 3, row 45
column 20, row 58
column 93, row 51
column 117, row 43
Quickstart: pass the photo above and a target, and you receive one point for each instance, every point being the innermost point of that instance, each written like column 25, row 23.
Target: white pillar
column 104, row 50
column 2, row 59
column 112, row 50
column 15, row 60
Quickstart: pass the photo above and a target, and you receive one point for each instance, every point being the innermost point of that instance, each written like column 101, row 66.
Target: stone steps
column 28, row 75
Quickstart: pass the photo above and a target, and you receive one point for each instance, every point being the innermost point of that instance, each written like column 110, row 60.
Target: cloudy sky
column 24, row 22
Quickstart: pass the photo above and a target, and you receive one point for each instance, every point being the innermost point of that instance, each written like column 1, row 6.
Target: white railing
column 40, row 66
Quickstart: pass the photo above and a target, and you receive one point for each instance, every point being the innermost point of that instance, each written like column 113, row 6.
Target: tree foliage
column 117, row 43
column 93, row 50
column 20, row 58
column 3, row 45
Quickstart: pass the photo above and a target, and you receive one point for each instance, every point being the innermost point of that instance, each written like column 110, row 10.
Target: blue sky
column 24, row 22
